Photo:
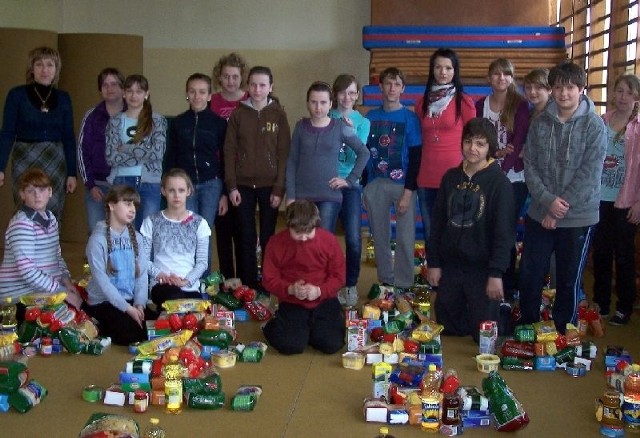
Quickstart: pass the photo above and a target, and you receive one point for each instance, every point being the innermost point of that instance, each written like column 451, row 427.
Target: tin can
column 46, row 346
column 140, row 402
column 92, row 393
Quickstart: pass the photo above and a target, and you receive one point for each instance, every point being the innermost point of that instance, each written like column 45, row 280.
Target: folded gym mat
column 372, row 95
column 462, row 36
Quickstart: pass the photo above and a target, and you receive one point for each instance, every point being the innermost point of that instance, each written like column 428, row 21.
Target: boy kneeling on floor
column 471, row 235
column 304, row 267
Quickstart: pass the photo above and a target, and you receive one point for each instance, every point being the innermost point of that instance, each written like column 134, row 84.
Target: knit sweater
column 313, row 160
column 122, row 285
column 180, row 247
column 23, row 122
column 148, row 154
column 318, row 261
column 32, row 256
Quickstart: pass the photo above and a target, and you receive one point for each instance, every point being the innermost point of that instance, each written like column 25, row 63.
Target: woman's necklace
column 44, row 108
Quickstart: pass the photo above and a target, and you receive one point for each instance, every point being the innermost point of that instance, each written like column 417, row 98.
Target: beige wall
column 302, row 41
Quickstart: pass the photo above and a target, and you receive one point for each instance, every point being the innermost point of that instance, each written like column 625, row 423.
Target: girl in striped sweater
column 32, row 256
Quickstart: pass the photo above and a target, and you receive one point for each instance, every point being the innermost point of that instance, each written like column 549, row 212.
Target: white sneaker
column 351, row 296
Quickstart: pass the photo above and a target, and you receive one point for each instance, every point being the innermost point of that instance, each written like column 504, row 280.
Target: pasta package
column 42, row 300
column 186, row 305
column 162, row 343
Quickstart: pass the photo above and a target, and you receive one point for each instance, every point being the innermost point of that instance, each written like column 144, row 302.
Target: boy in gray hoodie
column 563, row 159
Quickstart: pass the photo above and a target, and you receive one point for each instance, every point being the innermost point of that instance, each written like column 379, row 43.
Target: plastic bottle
column 431, row 399
column 631, row 404
column 172, row 372
column 384, row 433
column 451, row 414
column 8, row 313
column 154, row 430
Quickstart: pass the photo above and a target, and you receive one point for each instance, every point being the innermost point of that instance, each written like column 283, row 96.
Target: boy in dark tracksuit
column 471, row 235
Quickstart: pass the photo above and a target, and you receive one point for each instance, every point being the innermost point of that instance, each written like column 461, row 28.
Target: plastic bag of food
column 110, row 425
column 41, row 299
column 186, row 305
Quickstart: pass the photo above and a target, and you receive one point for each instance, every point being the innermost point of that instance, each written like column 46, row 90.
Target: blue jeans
column 204, row 201
column 149, row 196
column 426, row 201
column 351, row 215
column 328, row 214
column 248, row 234
column 95, row 209
column 570, row 246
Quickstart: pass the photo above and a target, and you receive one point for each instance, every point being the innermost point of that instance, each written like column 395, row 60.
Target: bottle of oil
column 431, row 400
column 172, row 372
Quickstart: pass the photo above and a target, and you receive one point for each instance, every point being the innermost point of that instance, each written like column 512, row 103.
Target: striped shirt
column 32, row 257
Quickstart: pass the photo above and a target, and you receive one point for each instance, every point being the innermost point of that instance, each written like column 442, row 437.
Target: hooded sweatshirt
column 123, row 285
column 472, row 222
column 565, row 159
column 256, row 147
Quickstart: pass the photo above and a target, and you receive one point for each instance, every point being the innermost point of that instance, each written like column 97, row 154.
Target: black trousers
column 614, row 241
column 462, row 302
column 294, row 327
column 116, row 324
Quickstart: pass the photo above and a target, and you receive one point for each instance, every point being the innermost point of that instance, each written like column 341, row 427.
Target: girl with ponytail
column 118, row 289
column 136, row 143
column 614, row 235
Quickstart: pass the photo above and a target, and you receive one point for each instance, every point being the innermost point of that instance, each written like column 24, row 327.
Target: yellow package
column 550, row 348
column 370, row 312
column 426, row 331
column 8, row 338
column 162, row 343
column 42, row 300
column 545, row 331
column 186, row 305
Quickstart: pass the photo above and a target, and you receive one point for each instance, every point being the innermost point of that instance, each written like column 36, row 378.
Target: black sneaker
column 619, row 319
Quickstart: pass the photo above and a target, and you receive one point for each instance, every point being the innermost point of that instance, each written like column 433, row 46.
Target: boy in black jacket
column 471, row 235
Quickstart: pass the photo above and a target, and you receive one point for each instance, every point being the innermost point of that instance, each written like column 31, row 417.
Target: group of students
column 471, row 166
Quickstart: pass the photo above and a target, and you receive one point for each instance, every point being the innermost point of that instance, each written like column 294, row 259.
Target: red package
column 524, row 350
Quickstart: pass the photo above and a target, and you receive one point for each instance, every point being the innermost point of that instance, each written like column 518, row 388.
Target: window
column 602, row 37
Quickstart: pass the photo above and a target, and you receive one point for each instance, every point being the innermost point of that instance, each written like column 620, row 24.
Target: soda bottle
column 384, row 433
column 431, row 399
column 631, row 404
column 154, row 430
column 172, row 372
